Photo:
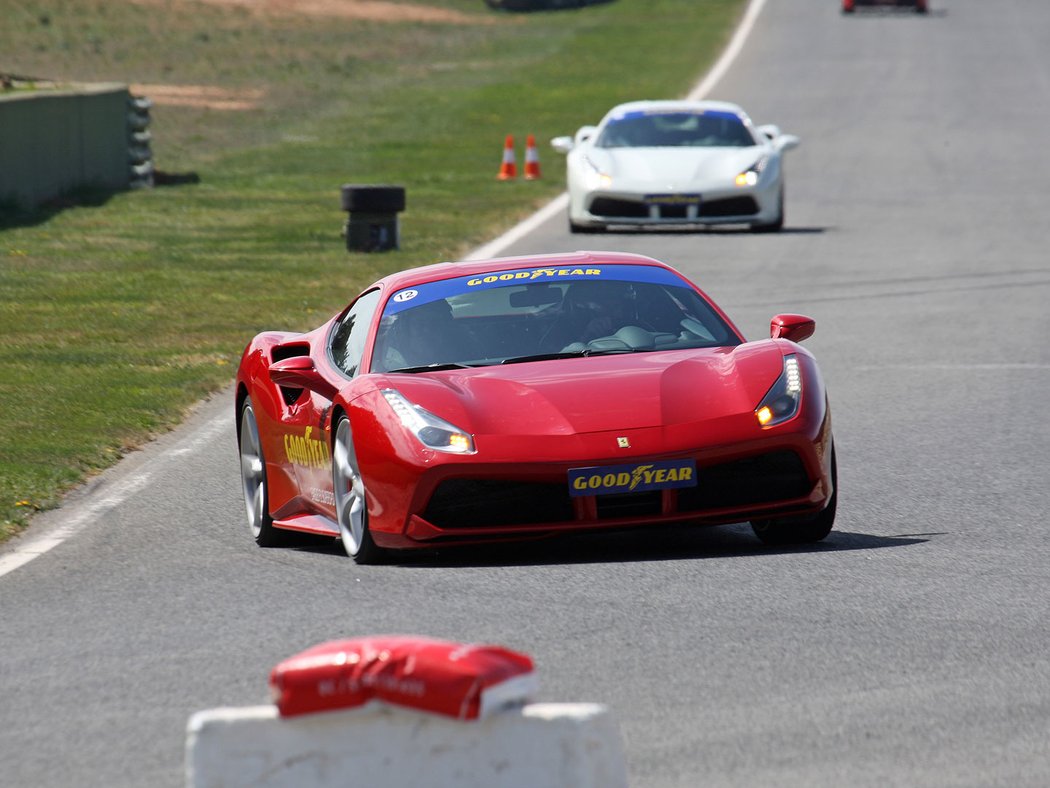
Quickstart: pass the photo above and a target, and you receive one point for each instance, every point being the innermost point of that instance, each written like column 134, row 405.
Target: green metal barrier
column 57, row 140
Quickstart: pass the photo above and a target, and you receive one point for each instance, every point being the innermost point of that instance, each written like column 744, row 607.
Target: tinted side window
column 348, row 339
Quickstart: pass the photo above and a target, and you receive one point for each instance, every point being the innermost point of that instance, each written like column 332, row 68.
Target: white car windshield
column 675, row 129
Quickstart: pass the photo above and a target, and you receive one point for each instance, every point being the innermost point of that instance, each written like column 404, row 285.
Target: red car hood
column 596, row 394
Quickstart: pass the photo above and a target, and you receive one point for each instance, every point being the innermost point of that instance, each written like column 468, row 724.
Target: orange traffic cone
column 509, row 168
column 532, row 159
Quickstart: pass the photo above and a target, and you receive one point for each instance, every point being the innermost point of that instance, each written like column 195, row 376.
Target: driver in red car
column 424, row 335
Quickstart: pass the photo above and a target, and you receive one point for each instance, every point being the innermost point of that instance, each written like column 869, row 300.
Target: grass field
column 118, row 312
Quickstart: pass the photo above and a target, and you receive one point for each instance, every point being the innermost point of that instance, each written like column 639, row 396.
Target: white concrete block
column 541, row 745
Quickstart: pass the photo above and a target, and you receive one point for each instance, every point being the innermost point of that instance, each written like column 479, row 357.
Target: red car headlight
column 782, row 400
column 430, row 430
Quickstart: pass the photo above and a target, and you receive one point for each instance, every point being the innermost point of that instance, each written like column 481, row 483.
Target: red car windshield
column 539, row 314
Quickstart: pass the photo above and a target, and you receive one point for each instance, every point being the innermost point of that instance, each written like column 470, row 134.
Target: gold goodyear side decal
column 307, row 451
column 660, row 475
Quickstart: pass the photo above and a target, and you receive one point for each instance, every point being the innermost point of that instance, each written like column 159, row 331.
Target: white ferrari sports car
column 659, row 163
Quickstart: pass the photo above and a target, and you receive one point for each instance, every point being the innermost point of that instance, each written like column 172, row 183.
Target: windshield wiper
column 433, row 367
column 568, row 354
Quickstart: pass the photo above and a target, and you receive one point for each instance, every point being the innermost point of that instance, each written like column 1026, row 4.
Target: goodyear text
column 641, row 477
column 307, row 451
column 531, row 276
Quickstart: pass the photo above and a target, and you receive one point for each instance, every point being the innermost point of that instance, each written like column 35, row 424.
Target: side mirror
column 562, row 144
column 770, row 131
column 793, row 327
column 299, row 372
column 786, row 142
column 584, row 133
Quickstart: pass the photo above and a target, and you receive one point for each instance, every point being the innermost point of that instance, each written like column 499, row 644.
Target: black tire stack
column 140, row 153
column 372, row 222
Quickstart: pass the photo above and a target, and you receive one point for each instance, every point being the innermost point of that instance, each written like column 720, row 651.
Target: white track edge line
column 81, row 515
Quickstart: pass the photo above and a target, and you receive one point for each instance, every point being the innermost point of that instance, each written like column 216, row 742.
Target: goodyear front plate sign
column 638, row 477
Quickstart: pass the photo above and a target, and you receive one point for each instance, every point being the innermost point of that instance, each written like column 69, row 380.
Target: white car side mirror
column 562, row 144
column 584, row 133
column 786, row 142
column 770, row 131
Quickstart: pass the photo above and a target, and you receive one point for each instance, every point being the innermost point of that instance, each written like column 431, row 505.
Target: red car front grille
column 488, row 503
column 472, row 503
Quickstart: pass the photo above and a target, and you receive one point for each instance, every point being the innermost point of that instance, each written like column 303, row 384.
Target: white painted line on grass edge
column 516, row 233
column 80, row 516
column 736, row 43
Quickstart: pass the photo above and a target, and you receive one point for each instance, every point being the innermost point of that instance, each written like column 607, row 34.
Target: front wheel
column 351, row 508
column 801, row 530
column 253, row 482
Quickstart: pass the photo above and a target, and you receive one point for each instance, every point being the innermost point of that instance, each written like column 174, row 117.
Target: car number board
column 636, row 477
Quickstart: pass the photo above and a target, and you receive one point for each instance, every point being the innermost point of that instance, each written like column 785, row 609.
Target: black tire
column 253, row 482
column 373, row 199
column 801, row 530
column 351, row 505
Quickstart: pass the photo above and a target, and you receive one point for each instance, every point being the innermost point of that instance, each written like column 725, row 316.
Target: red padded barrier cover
column 465, row 681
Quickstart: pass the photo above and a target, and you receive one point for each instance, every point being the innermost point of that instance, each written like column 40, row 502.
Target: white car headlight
column 782, row 400
column 750, row 176
column 599, row 178
column 430, row 430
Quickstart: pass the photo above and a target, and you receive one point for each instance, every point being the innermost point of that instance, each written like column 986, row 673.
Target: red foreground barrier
column 463, row 681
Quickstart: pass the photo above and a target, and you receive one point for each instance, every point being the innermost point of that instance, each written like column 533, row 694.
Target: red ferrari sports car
column 532, row 396
column 849, row 6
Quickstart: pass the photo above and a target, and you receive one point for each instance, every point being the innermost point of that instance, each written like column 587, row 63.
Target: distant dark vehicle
column 920, row 6
column 539, row 5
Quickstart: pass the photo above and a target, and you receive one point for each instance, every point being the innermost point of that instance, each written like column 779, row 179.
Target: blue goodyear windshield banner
column 648, row 113
column 638, row 477
column 447, row 288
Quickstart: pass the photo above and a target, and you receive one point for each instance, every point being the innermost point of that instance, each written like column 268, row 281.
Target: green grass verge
column 118, row 312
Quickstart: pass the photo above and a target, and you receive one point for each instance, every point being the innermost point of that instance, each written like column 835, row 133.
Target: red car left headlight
column 430, row 430
column 782, row 400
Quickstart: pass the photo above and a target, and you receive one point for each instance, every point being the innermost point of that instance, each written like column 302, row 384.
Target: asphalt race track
column 909, row 649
